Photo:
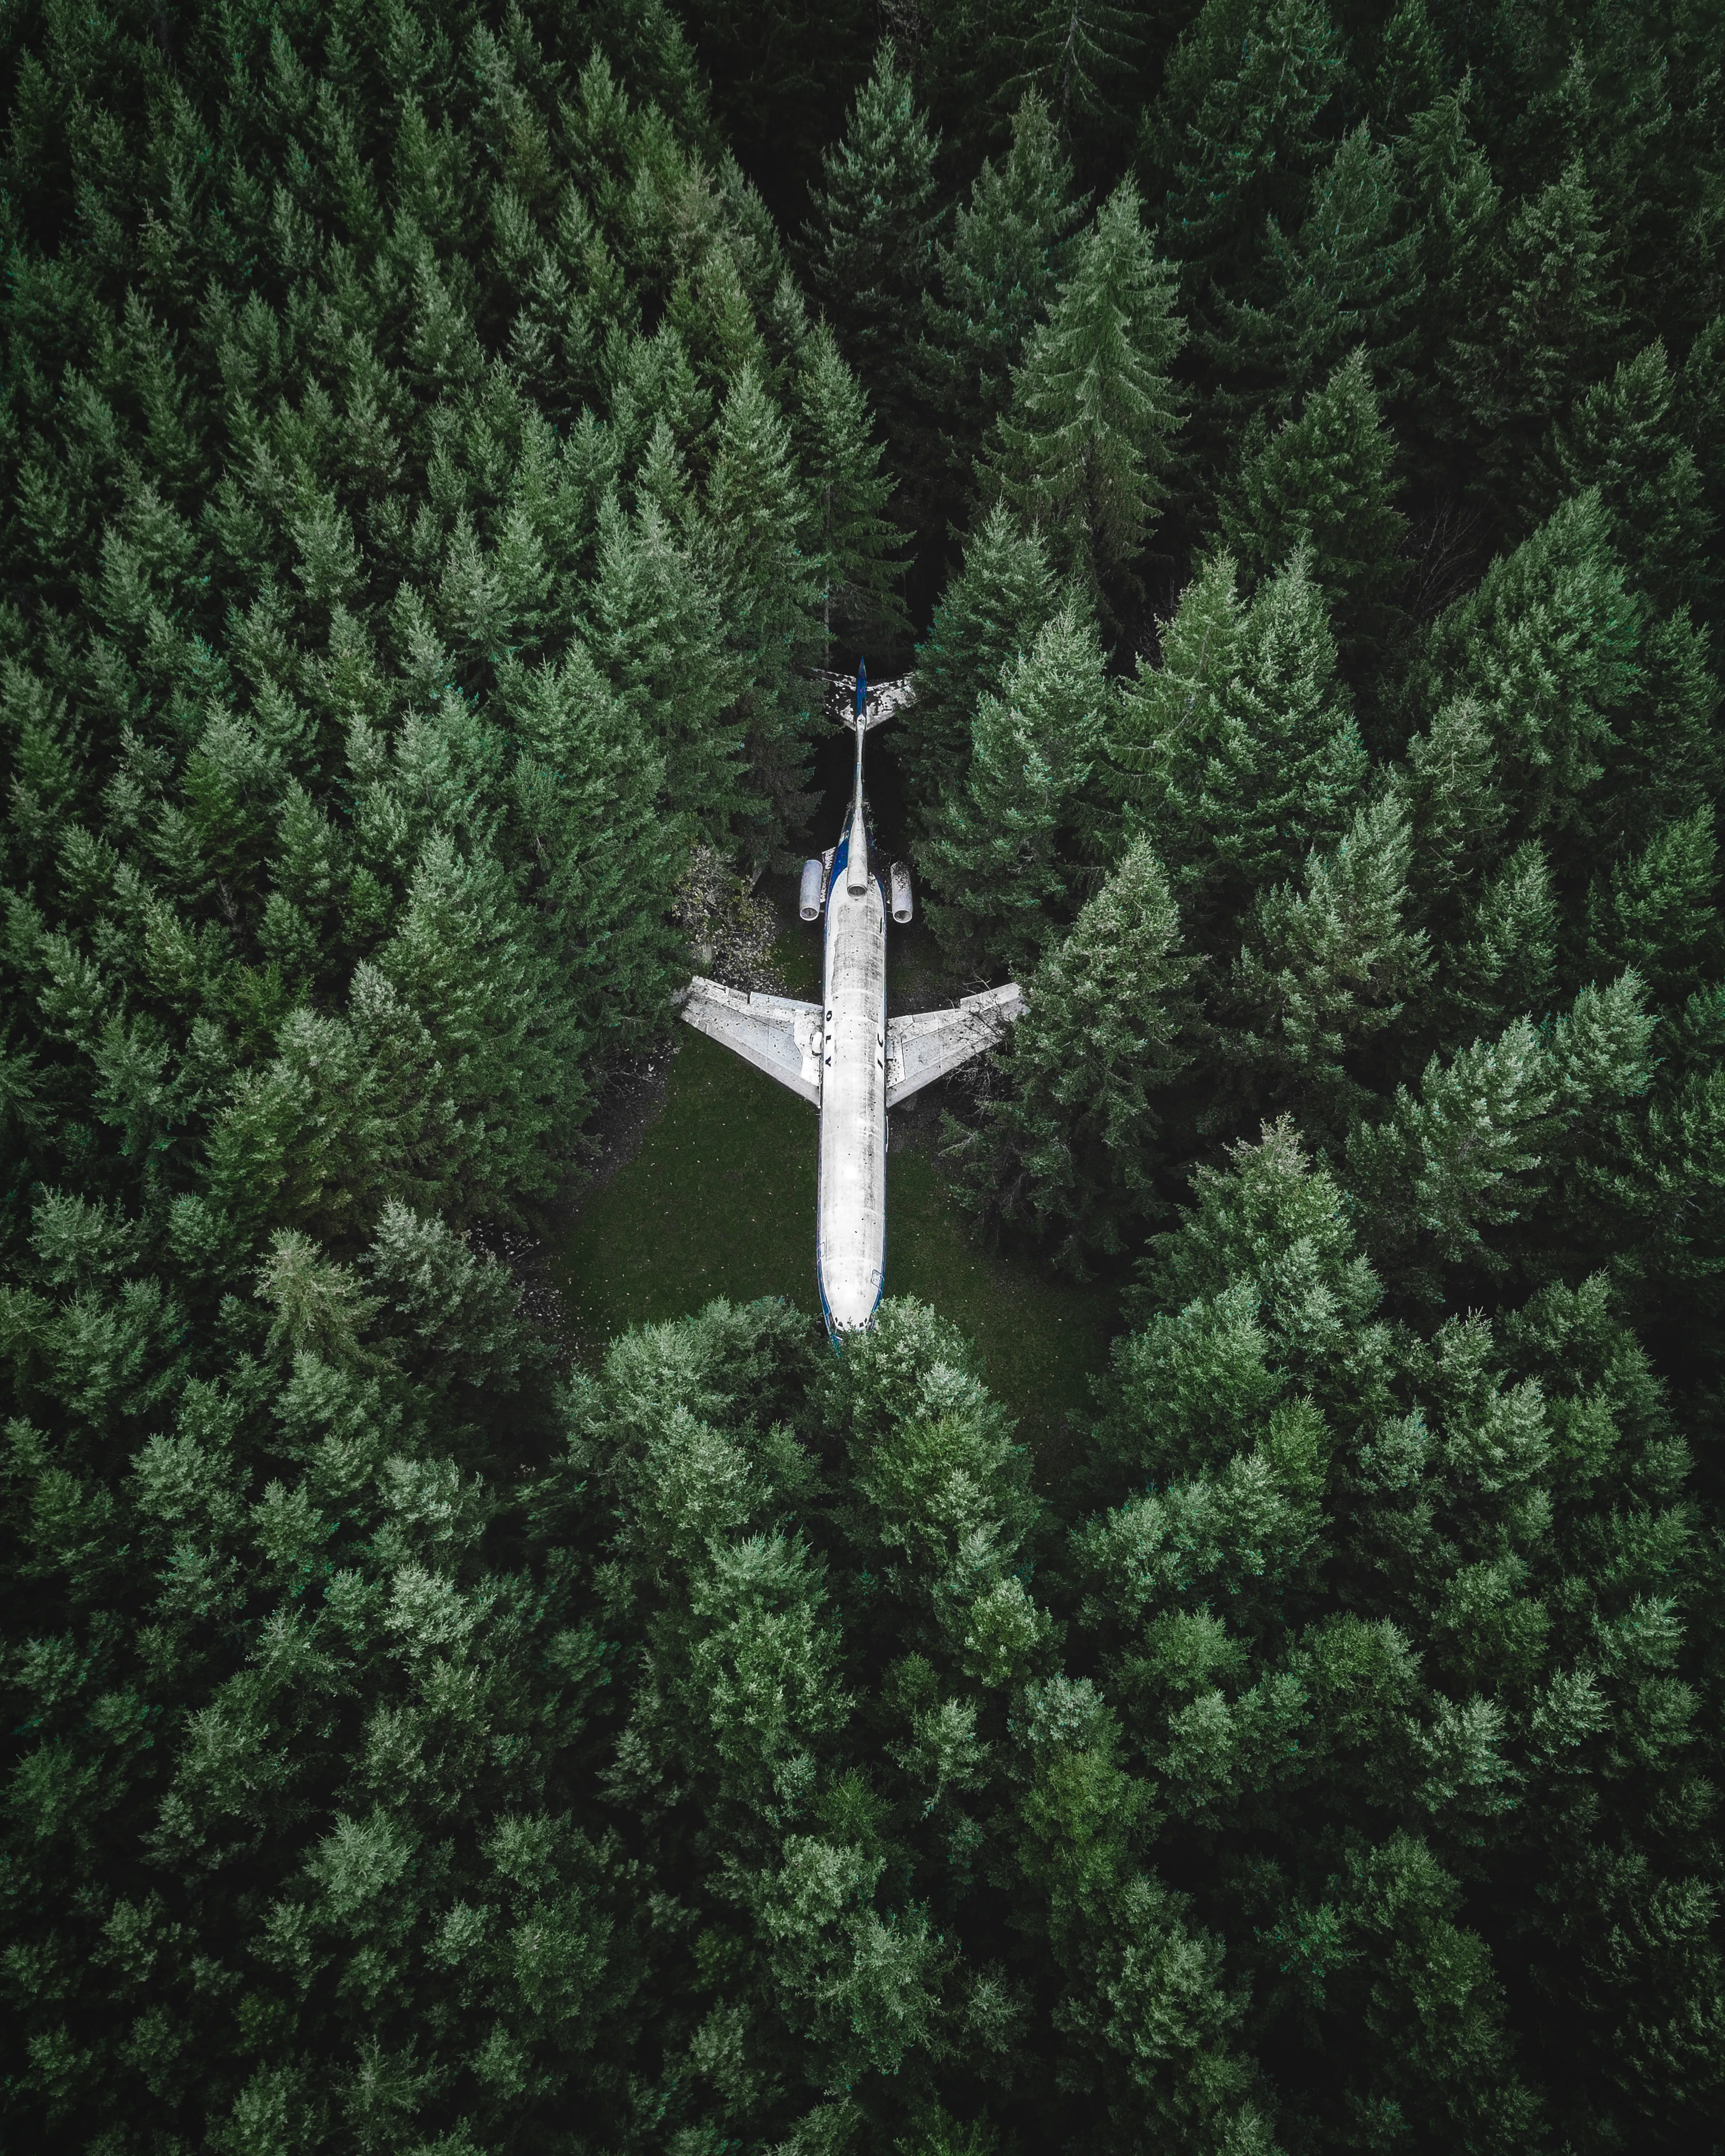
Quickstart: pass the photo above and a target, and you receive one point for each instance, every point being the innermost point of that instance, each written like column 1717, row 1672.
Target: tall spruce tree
column 770, row 586
column 659, row 637
column 1084, row 452
column 990, row 613
column 1006, row 857
column 1237, row 132
column 1326, row 480
column 1070, row 1150
column 1348, row 272
column 1546, row 644
column 1559, row 316
column 849, row 537
column 1010, row 250
column 1621, row 439
column 871, row 244
column 1239, row 753
column 1453, row 204
column 1079, row 56
column 1407, row 70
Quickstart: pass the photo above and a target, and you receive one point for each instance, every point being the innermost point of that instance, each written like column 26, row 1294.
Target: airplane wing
column 776, row 1035
column 922, row 1048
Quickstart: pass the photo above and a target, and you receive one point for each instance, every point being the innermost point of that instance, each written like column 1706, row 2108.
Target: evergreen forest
column 443, row 446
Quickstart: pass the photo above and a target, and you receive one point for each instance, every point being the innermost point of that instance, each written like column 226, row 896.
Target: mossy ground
column 719, row 1199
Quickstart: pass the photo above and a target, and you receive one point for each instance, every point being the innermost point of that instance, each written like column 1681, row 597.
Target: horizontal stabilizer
column 922, row 1048
column 883, row 701
column 776, row 1035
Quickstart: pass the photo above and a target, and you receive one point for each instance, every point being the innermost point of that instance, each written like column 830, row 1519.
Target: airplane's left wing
column 922, row 1048
column 776, row 1035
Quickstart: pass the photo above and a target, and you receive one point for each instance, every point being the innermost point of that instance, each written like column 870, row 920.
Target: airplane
column 845, row 1055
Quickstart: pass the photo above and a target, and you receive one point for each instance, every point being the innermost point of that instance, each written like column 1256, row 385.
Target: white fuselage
column 851, row 1243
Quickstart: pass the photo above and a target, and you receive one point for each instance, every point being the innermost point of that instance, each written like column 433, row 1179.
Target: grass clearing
column 720, row 1200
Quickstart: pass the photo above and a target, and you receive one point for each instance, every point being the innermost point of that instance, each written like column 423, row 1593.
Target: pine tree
column 1545, row 645
column 770, row 589
column 1620, row 438
column 1504, row 962
column 1346, row 274
column 1002, row 593
column 1656, row 912
column 870, row 245
column 586, row 784
column 1454, row 204
column 1238, row 131
column 1696, row 408
column 1238, row 753
column 1011, row 249
column 1005, row 858
column 1559, row 316
column 1408, row 72
column 1666, row 762
column 1322, row 970
column 1072, row 1148
column 1078, row 55
column 1324, row 480
column 657, row 635
column 857, row 548
column 1084, row 451
column 1487, row 1139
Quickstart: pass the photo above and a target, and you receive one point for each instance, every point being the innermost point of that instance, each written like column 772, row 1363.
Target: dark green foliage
column 1620, row 438
column 1346, row 274
column 872, row 244
column 770, row 588
column 1078, row 55
column 1237, row 753
column 1083, row 452
column 1074, row 1144
column 1471, row 1571
column 432, row 497
column 849, row 534
column 1326, row 479
column 1239, row 125
column 1010, row 250
column 1001, row 595
column 1002, row 857
column 1559, row 316
column 1546, row 645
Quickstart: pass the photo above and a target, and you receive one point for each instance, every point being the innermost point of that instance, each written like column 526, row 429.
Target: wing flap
column 776, row 1035
column 928, row 1046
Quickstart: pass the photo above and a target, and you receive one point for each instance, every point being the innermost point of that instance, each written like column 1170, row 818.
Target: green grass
column 1040, row 1344
column 720, row 1200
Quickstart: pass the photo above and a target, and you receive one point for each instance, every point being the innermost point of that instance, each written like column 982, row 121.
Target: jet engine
column 813, row 891
column 901, row 892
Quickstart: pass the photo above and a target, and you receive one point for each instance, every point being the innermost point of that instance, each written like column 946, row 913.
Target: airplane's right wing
column 776, row 1035
column 922, row 1048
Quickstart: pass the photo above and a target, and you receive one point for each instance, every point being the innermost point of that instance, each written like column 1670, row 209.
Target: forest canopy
column 445, row 444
